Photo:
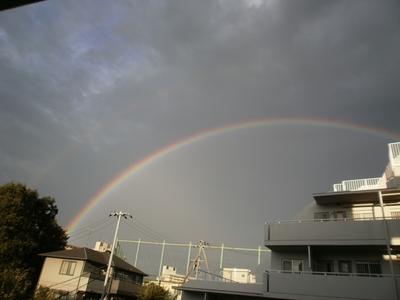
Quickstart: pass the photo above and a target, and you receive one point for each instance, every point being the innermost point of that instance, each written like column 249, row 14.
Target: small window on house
column 67, row 267
column 324, row 216
column 293, row 265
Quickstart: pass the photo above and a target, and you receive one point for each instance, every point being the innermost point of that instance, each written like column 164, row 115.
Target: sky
column 202, row 119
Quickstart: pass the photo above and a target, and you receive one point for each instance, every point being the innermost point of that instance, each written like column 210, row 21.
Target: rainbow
column 154, row 157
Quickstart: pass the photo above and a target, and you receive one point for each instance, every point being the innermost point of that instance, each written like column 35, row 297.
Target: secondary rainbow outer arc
column 136, row 167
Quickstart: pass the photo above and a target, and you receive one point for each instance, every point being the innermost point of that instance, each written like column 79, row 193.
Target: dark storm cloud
column 88, row 89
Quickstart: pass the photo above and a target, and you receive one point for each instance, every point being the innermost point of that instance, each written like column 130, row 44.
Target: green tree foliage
column 44, row 293
column 152, row 291
column 28, row 227
column 14, row 283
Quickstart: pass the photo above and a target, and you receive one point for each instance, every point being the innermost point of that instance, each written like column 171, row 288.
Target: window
column 362, row 214
column 325, row 266
column 293, row 265
column 318, row 216
column 67, row 267
column 368, row 268
column 395, row 214
column 344, row 266
column 339, row 215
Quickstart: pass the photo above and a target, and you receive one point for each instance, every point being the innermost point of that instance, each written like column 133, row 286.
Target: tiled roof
column 90, row 255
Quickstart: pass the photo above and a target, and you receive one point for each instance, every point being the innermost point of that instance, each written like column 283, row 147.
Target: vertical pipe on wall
column 388, row 244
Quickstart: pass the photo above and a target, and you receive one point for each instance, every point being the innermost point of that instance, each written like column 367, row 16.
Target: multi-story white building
column 344, row 245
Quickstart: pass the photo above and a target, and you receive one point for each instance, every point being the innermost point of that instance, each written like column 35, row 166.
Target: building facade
column 344, row 245
column 80, row 273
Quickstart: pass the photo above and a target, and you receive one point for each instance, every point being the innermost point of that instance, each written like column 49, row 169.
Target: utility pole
column 119, row 215
column 196, row 262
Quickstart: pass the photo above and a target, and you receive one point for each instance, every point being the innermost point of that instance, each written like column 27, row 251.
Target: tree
column 44, row 293
column 28, row 227
column 152, row 291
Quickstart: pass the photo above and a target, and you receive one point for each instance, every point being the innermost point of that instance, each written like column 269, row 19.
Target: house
column 344, row 245
column 79, row 274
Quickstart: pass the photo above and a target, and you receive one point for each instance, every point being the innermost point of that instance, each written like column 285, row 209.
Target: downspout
column 388, row 245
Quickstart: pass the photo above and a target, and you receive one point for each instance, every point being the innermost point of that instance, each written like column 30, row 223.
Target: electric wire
column 143, row 231
column 75, row 232
column 92, row 231
column 148, row 231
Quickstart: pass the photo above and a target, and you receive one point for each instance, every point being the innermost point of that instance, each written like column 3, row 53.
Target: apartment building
column 344, row 245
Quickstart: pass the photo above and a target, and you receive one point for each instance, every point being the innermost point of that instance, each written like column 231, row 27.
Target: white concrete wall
column 302, row 286
column 51, row 277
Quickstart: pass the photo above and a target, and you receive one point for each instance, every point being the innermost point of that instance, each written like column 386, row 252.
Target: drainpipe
column 388, row 245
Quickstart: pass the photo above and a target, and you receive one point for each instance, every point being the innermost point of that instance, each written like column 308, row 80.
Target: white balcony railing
column 394, row 154
column 357, row 184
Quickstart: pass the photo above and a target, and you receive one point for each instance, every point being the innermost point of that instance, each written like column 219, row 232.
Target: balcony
column 121, row 287
column 339, row 232
column 307, row 285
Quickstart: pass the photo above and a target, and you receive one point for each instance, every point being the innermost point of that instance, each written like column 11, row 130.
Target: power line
column 146, row 230
column 75, row 232
column 92, row 231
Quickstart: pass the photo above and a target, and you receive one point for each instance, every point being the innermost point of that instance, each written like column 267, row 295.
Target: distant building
column 103, row 247
column 238, row 275
column 344, row 245
column 80, row 273
column 169, row 279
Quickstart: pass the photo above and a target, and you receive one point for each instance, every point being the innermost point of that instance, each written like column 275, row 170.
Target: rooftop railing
column 394, row 154
column 357, row 184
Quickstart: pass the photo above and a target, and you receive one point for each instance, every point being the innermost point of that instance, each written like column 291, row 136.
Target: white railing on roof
column 338, row 187
column 394, row 153
column 357, row 184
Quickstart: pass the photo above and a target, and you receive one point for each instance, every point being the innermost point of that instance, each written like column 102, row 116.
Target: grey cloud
column 89, row 89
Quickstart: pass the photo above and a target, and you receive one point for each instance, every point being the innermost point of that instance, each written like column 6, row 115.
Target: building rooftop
column 90, row 255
